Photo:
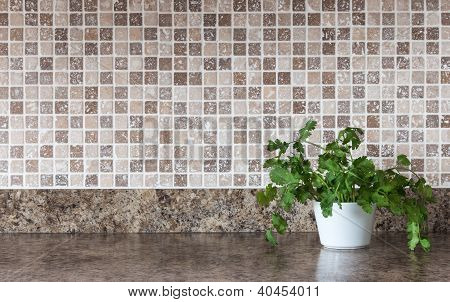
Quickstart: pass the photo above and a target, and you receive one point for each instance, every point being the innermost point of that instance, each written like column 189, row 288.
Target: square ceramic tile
column 185, row 94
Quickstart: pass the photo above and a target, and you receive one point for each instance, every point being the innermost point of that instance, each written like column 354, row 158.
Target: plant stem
column 316, row 145
column 405, row 169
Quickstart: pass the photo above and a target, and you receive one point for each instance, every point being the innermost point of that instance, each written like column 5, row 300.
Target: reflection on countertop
column 214, row 257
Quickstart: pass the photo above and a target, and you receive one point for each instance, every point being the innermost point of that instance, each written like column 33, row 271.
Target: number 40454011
column 307, row 291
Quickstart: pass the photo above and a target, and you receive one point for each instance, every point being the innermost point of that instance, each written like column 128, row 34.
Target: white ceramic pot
column 348, row 228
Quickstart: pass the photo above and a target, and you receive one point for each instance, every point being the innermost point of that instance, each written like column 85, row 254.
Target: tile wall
column 185, row 93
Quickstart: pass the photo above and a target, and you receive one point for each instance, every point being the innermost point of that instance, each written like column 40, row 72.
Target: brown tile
column 299, row 49
column 151, row 78
column 328, row 77
column 210, row 63
column 432, row 121
column 314, row 63
column 432, row 33
column 119, row 5
column 373, row 121
column 76, row 19
column 240, row 137
column 358, row 5
column 388, row 33
column 224, row 20
column 239, row 78
column 135, row 19
column 3, row 49
column 269, row 78
column 418, row 33
column 284, row 34
column 180, row 78
column 269, row 34
column 417, row 19
column 46, row 151
column 31, row 19
column 432, row 5
column 445, row 19
column 387, row 63
column 165, row 166
column 298, row 5
column 298, row 19
column 165, row 137
column 373, row 150
column 417, row 5
column 299, row 93
column 328, row 5
column 328, row 92
column 195, row 49
column 254, row 49
column 299, row 107
column 445, row 77
column 313, row 19
column 388, row 19
column 432, row 48
column 328, row 48
column 240, row 5
column 32, row 5
column 403, row 48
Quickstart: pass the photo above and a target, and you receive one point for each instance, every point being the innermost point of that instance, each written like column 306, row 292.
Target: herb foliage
column 341, row 178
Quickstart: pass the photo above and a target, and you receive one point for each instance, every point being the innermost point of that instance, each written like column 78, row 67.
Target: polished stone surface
column 214, row 257
column 141, row 211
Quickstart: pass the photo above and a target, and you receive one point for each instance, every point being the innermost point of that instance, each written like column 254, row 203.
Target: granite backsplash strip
column 130, row 211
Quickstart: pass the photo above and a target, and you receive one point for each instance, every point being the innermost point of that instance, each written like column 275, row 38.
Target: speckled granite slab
column 112, row 211
column 214, row 257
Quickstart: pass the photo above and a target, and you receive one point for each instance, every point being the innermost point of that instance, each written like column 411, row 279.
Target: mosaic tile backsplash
column 148, row 93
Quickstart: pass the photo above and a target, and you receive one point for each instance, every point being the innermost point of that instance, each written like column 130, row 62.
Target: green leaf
column 278, row 145
column 328, row 164
column 326, row 203
column 395, row 204
column 302, row 196
column 413, row 235
column 282, row 176
column 261, row 199
column 271, row 192
column 272, row 162
column 380, row 199
column 425, row 243
column 365, row 205
column 423, row 189
column 364, row 166
column 272, row 146
column 337, row 150
column 317, row 181
column 287, row 200
column 412, row 243
column 279, row 223
column 270, row 238
column 339, row 178
column 351, row 135
column 402, row 160
column 305, row 132
column 264, row 198
column 299, row 147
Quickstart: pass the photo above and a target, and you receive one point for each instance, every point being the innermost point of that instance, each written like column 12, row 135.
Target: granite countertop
column 214, row 257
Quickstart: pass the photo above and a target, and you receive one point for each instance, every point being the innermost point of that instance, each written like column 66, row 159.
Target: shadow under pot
column 348, row 227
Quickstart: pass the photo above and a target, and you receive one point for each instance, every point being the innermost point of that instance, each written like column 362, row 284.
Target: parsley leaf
column 337, row 177
column 279, row 223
